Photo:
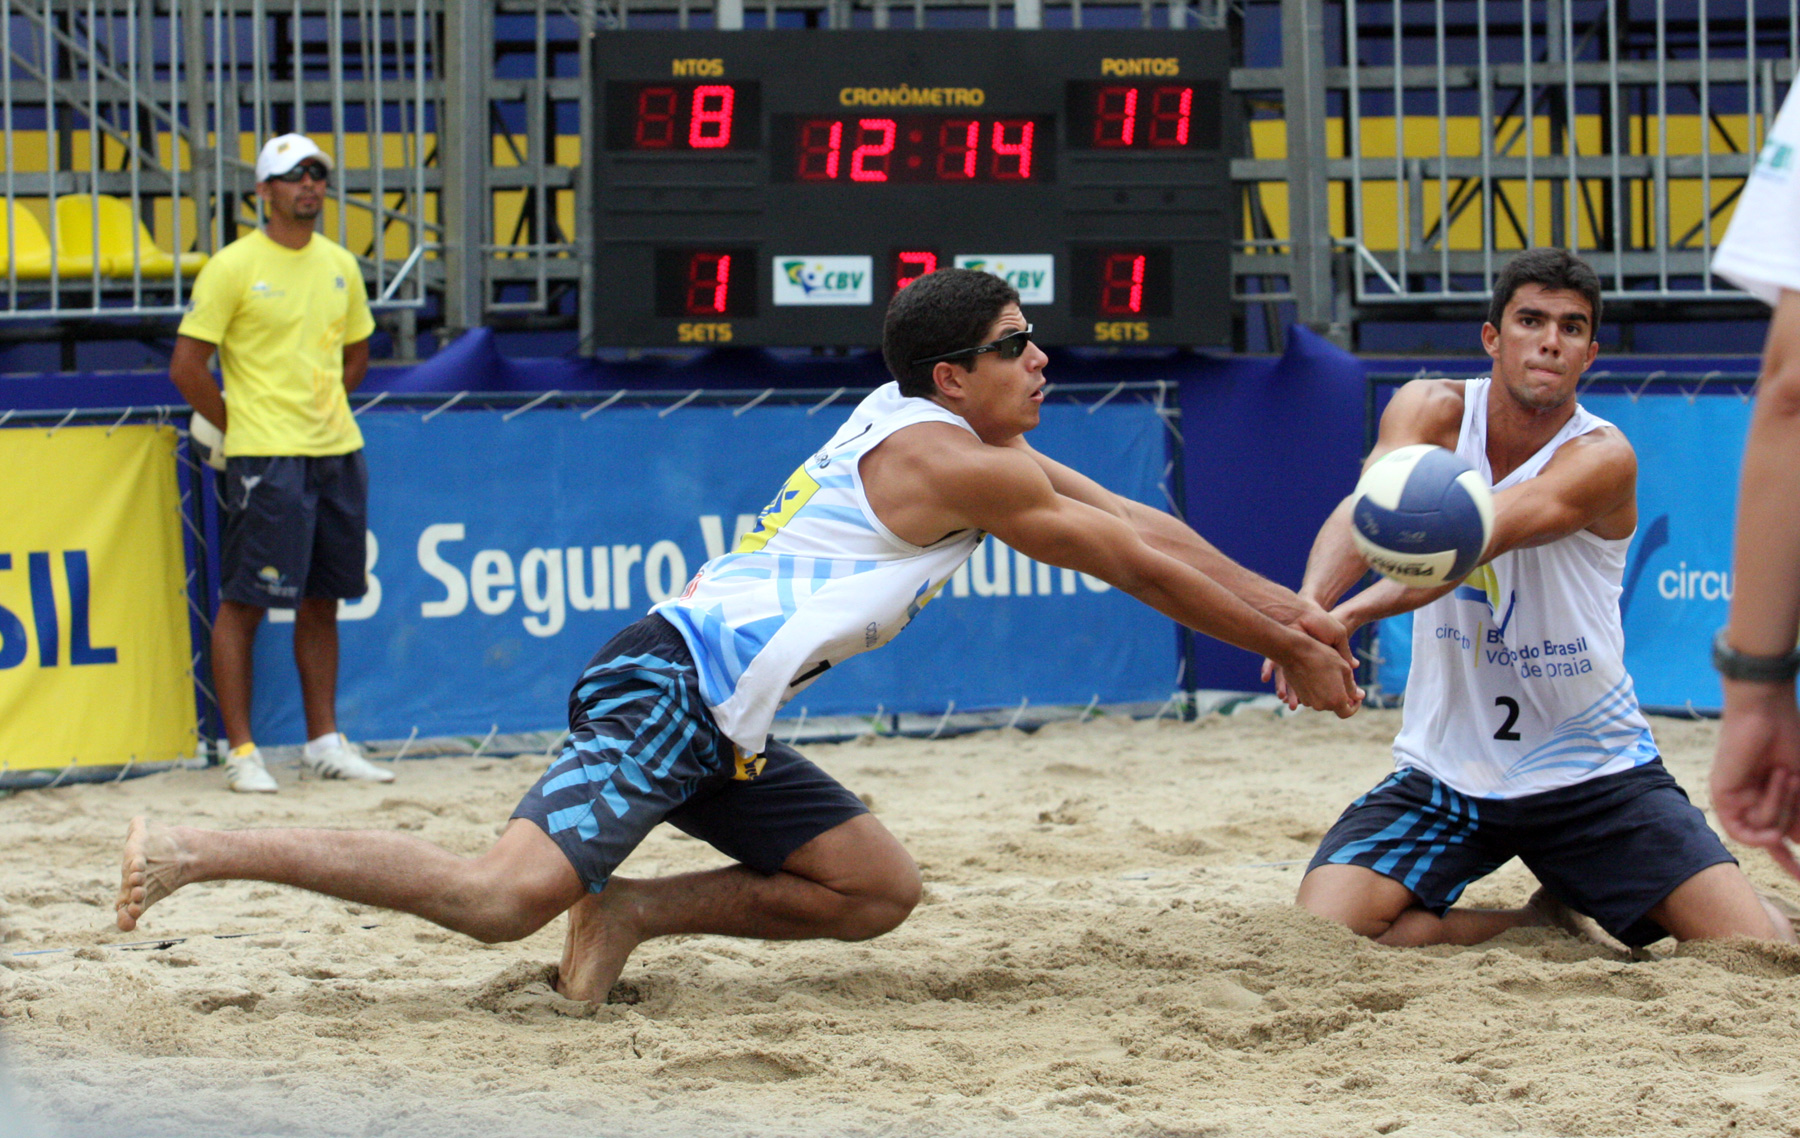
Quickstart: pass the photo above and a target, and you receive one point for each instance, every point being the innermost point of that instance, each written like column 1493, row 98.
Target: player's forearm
column 1334, row 564
column 1765, row 602
column 1183, row 593
column 1384, row 599
column 1170, row 535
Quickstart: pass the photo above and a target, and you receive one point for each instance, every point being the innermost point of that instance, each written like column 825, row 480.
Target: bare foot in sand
column 1578, row 925
column 602, row 933
column 151, row 870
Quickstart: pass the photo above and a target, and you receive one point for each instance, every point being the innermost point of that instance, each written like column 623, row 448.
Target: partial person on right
column 1756, row 773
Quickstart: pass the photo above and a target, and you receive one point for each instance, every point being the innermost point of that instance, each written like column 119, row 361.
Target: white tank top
column 818, row 580
column 1518, row 680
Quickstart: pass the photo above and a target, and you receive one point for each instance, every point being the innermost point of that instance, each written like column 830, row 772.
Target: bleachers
column 1621, row 127
column 126, row 248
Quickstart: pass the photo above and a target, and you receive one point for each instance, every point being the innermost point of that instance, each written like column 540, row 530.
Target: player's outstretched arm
column 1004, row 491
column 1589, row 484
column 1423, row 411
column 1170, row 535
column 1756, row 773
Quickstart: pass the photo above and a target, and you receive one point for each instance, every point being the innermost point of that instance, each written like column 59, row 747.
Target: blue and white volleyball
column 1421, row 515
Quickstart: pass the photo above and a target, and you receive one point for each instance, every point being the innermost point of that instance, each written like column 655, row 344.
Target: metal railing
column 1392, row 160
column 1412, row 156
column 131, row 129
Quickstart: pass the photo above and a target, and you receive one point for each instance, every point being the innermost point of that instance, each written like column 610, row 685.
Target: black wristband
column 1735, row 665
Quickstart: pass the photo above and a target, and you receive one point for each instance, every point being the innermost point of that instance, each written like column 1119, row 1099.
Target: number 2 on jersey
column 1506, row 731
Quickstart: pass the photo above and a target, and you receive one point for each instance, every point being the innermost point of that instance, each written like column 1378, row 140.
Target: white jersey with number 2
column 1518, row 680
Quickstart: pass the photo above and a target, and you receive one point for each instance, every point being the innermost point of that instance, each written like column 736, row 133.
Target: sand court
column 1107, row 946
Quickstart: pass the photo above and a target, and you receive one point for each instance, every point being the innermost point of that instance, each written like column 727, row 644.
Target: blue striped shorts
column 643, row 749
column 1611, row 847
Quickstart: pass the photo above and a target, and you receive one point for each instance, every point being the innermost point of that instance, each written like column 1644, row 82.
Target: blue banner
column 505, row 552
column 1677, row 586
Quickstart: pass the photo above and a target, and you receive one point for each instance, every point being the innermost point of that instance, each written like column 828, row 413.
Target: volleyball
column 1421, row 515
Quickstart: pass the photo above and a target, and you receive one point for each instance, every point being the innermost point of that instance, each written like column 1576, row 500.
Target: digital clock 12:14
column 871, row 149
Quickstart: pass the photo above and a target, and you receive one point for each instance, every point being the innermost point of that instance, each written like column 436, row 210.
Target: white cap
column 283, row 154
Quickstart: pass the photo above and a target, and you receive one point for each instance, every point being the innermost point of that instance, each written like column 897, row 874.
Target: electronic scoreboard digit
column 777, row 188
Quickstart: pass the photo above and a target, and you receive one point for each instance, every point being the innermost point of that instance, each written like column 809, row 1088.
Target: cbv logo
column 1033, row 274
column 823, row 280
column 46, row 617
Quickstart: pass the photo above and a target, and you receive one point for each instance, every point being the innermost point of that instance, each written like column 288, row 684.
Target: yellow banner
column 94, row 646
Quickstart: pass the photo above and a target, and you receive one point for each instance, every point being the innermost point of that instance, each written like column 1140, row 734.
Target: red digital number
column 875, row 142
column 910, row 265
column 821, row 149
column 709, row 284
column 1012, row 160
column 656, row 117
column 1171, row 113
column 958, row 141
column 1122, row 284
column 709, row 125
column 1115, row 116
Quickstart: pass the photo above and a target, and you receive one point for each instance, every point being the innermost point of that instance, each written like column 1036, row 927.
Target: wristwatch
column 1735, row 665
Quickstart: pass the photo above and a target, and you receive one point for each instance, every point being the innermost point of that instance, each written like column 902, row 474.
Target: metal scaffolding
column 132, row 126
column 1439, row 138
column 1395, row 151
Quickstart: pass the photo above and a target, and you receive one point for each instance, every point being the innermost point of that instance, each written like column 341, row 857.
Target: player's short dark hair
column 1550, row 268
column 938, row 313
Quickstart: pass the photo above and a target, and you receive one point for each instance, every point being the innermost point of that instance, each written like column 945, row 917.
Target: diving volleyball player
column 1522, row 736
column 670, row 721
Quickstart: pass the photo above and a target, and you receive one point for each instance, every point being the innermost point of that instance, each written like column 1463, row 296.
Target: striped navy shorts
column 643, row 749
column 1611, row 847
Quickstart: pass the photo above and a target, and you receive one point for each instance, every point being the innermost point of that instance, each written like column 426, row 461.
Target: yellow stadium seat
column 29, row 247
column 75, row 216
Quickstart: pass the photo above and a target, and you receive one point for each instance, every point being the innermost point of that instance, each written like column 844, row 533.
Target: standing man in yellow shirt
column 286, row 309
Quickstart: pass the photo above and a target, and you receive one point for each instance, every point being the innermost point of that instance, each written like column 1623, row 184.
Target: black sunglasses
column 316, row 169
column 1008, row 347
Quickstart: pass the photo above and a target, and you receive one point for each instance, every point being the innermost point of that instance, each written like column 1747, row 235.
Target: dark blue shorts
column 643, row 749
column 294, row 527
column 1611, row 847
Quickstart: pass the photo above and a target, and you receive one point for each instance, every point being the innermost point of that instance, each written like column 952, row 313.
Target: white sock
column 316, row 747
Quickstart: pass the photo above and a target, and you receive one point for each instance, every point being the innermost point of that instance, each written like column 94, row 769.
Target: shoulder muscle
column 1423, row 411
column 1590, row 483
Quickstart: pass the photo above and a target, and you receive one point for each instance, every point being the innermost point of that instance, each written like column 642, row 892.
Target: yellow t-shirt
column 281, row 318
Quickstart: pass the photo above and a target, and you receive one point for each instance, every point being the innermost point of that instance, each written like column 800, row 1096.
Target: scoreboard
column 777, row 188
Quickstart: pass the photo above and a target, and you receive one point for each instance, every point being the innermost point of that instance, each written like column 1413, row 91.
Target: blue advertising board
column 506, row 551
column 1677, row 585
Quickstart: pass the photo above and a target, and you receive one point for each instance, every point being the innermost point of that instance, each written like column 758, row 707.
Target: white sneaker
column 340, row 758
column 246, row 774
